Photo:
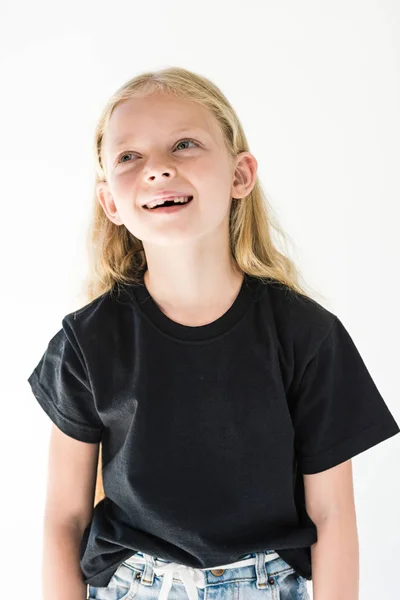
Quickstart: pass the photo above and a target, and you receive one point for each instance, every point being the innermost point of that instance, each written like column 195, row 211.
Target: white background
column 316, row 86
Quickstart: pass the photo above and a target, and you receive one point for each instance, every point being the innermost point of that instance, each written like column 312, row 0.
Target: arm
column 69, row 508
column 335, row 556
column 61, row 573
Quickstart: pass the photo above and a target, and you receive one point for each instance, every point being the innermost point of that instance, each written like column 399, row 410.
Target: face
column 160, row 142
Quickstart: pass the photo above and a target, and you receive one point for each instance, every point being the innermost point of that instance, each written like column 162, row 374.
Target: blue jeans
column 256, row 576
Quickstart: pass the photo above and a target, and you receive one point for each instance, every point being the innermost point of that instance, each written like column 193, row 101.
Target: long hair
column 117, row 256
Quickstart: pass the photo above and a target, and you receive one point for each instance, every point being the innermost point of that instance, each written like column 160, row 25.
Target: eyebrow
column 122, row 141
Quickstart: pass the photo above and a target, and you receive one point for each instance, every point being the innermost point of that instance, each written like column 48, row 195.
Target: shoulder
column 301, row 323
column 100, row 317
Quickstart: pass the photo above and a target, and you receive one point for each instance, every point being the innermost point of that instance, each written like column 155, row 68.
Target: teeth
column 178, row 199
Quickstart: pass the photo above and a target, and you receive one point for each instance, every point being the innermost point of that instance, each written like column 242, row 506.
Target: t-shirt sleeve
column 61, row 385
column 338, row 410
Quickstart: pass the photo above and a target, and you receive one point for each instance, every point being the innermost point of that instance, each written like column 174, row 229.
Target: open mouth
column 170, row 204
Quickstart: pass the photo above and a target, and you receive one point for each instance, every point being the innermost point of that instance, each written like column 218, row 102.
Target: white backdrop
column 317, row 88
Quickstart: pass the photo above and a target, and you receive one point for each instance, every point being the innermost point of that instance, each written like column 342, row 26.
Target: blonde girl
column 206, row 408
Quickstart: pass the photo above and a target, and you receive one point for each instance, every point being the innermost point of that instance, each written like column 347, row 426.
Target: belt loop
column 261, row 570
column 148, row 573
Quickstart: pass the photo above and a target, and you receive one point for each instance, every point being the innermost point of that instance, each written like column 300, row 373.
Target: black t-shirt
column 207, row 431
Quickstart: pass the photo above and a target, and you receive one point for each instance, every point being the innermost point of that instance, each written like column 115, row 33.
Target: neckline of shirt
column 222, row 324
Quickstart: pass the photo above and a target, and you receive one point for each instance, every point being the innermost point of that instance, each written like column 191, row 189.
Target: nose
column 159, row 169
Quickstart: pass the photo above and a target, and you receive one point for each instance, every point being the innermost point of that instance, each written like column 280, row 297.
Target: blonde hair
column 117, row 256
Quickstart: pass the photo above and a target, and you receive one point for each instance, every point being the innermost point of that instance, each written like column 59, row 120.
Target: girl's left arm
column 330, row 504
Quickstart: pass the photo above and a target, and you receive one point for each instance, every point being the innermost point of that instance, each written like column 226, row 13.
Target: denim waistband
column 194, row 578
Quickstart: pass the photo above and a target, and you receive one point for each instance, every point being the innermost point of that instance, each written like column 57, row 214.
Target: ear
column 245, row 174
column 106, row 201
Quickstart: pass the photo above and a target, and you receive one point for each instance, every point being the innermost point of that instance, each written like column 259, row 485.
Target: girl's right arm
column 72, row 470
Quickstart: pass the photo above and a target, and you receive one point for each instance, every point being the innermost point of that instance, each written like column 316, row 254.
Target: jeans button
column 217, row 571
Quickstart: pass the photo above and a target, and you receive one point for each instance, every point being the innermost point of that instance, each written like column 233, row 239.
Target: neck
column 195, row 298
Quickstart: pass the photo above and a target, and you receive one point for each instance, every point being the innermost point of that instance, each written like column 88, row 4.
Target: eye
column 187, row 140
column 122, row 155
column 178, row 144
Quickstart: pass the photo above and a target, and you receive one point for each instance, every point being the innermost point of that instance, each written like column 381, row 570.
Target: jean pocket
column 123, row 585
column 303, row 588
column 278, row 566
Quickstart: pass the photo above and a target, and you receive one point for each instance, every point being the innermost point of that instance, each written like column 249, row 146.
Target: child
column 218, row 388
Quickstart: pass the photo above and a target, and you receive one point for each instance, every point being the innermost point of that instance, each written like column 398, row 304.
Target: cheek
column 211, row 178
column 123, row 189
column 218, row 173
column 124, row 182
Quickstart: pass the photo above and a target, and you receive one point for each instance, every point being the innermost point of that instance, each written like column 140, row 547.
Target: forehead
column 155, row 115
